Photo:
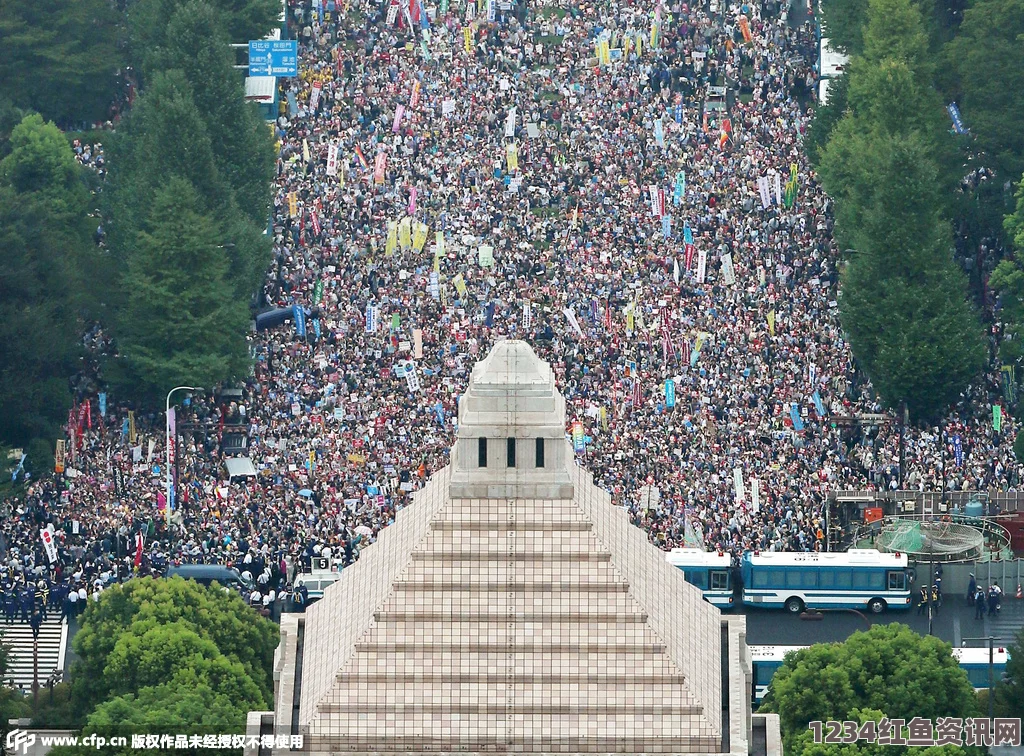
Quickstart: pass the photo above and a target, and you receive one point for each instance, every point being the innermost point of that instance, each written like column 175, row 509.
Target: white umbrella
column 364, row 530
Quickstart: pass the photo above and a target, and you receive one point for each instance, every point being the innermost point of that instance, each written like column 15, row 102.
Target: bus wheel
column 794, row 605
column 876, row 606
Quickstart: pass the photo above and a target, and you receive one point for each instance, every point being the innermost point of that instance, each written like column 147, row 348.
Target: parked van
column 316, row 582
column 207, row 574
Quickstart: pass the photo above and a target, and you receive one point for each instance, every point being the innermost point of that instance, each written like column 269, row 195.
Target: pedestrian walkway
column 1006, row 623
column 53, row 637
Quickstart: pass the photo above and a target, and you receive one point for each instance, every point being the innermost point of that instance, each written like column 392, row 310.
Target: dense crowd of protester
column 522, row 139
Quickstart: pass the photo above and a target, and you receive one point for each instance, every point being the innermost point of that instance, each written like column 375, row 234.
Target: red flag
column 88, row 414
column 140, row 541
column 608, row 314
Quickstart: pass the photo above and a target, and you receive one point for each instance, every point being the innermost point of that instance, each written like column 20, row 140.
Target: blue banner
column 818, row 406
column 316, row 327
column 666, row 226
column 489, row 322
column 299, row 316
column 687, row 234
column 958, row 450
column 958, row 121
column 103, row 403
column 794, row 414
column 670, row 393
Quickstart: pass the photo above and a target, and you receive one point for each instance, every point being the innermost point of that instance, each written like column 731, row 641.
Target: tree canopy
column 181, row 322
column 988, row 58
column 172, row 640
column 44, row 246
column 889, row 670
column 61, row 58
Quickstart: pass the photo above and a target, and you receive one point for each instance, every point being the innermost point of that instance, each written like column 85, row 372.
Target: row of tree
column 181, row 212
column 885, row 155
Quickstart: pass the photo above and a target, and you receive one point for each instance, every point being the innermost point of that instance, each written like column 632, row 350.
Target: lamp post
column 167, row 417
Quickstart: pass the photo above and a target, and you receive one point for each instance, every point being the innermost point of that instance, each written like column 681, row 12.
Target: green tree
column 827, row 117
column 846, row 22
column 988, row 58
column 242, row 143
column 181, row 322
column 904, row 302
column 148, row 21
column 44, row 246
column 843, row 23
column 888, row 670
column 1008, row 282
column 163, row 137
column 222, row 641
column 61, row 58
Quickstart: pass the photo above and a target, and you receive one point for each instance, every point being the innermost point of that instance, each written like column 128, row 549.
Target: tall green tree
column 1008, row 282
column 889, row 669
column 827, row 117
column 131, row 636
column 904, row 304
column 988, row 58
column 181, row 322
column 61, row 58
column 163, row 137
column 44, row 245
column 148, row 21
column 242, row 143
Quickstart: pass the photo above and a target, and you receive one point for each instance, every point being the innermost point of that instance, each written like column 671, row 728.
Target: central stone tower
column 511, row 440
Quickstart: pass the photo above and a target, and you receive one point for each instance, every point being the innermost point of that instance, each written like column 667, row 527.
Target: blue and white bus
column 855, row 579
column 710, row 571
column 765, row 661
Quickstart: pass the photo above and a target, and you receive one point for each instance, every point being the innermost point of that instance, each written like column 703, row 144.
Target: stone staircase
column 53, row 638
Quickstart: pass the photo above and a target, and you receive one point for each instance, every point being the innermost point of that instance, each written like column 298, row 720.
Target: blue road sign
column 268, row 57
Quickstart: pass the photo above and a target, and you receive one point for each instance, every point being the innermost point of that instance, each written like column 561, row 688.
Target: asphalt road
column 953, row 623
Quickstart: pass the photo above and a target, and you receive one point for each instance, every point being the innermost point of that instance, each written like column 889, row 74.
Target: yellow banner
column 58, row 457
column 305, row 151
column 467, row 38
column 392, row 242
column 131, row 427
column 293, row 204
column 771, row 322
column 419, row 237
column 512, row 155
column 439, row 244
column 604, row 419
column 405, row 233
column 460, row 285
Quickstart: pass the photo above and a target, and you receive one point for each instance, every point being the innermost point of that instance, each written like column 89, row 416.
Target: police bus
column 710, row 571
column 855, row 579
column 765, row 661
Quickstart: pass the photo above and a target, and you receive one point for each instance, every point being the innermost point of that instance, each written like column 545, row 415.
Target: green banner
column 318, row 291
column 997, row 417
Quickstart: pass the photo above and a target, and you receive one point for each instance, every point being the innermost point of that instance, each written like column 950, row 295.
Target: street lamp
column 167, row 416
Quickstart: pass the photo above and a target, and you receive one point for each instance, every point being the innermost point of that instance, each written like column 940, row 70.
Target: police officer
column 923, row 602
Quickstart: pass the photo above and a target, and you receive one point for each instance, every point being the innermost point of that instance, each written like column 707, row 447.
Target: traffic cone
column 1020, row 593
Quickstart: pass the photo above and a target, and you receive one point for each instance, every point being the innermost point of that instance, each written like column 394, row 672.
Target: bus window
column 876, row 580
column 764, row 672
column 897, row 581
column 809, row 579
column 793, row 579
column 719, row 580
column 698, row 579
column 843, row 580
column 979, row 677
column 760, row 579
column 826, row 579
column 776, row 578
column 860, row 579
